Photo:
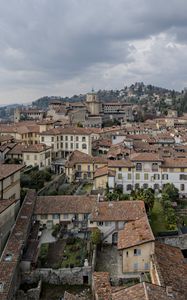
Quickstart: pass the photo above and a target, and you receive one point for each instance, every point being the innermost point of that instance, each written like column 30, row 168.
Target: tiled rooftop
column 135, row 233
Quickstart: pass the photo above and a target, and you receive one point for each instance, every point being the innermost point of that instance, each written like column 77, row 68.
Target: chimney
column 169, row 291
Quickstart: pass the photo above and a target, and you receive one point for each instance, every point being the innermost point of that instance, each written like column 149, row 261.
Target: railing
column 108, row 232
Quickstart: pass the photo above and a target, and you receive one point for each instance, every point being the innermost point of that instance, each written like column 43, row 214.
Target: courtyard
column 67, row 252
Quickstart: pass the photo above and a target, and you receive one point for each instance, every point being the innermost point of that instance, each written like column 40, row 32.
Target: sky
column 67, row 47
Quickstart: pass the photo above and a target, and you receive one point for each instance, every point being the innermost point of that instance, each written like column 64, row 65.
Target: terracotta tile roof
column 64, row 204
column 36, row 148
column 9, row 169
column 104, row 171
column 7, row 137
column 15, row 245
column 68, row 130
column 102, row 287
column 118, row 211
column 171, row 267
column 135, row 233
column 17, row 149
column 122, row 163
column 174, row 163
column 141, row 291
column 146, row 157
column 145, row 291
column 80, row 157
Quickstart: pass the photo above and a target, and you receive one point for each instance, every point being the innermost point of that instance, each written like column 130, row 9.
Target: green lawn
column 157, row 218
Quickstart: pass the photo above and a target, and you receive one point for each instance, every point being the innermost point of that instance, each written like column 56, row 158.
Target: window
column 88, row 168
column 84, row 146
column 127, row 253
column 156, row 176
column 146, row 266
column 43, row 139
column 62, row 145
column 100, row 223
column 120, row 176
column 182, row 170
column 129, row 187
column 83, row 139
column 164, row 176
column 27, row 157
column 183, row 177
column 79, row 167
column 156, row 186
column 71, row 145
column 137, row 176
column 44, row 217
column 182, row 187
column 146, row 176
column 137, row 252
column 129, row 176
column 154, row 167
column 77, row 146
column 77, row 138
column 137, row 186
column 66, row 216
column 56, row 216
column 145, row 186
column 52, row 139
column 66, row 145
column 86, row 216
column 138, row 167
column 66, row 138
column 135, row 266
column 35, row 157
column 119, row 169
column 61, row 137
column 107, row 223
column 71, row 138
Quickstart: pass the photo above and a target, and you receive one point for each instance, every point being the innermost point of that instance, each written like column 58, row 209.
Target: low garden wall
column 71, row 276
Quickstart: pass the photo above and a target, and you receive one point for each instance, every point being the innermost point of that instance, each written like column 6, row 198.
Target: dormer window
column 154, row 167
column 139, row 167
column 8, row 257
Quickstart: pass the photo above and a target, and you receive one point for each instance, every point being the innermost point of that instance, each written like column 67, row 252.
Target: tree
column 170, row 218
column 147, row 195
column 171, row 191
column 96, row 236
column 165, row 201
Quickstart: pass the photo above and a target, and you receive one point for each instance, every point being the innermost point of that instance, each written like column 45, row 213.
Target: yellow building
column 37, row 155
column 101, row 177
column 136, row 241
column 81, row 166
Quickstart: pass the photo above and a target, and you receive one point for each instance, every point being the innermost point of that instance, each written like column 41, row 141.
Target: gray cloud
column 67, row 46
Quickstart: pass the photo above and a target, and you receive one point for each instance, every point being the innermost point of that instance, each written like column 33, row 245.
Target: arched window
column 84, row 146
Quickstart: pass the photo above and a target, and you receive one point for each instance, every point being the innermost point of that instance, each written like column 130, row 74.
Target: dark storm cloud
column 66, row 43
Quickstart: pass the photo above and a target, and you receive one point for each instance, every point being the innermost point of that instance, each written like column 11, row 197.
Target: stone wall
column 31, row 294
column 176, row 241
column 74, row 276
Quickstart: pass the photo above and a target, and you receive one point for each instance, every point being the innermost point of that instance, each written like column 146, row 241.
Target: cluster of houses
column 130, row 156
column 123, row 224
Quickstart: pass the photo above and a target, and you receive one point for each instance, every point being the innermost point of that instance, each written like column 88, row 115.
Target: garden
column 64, row 253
